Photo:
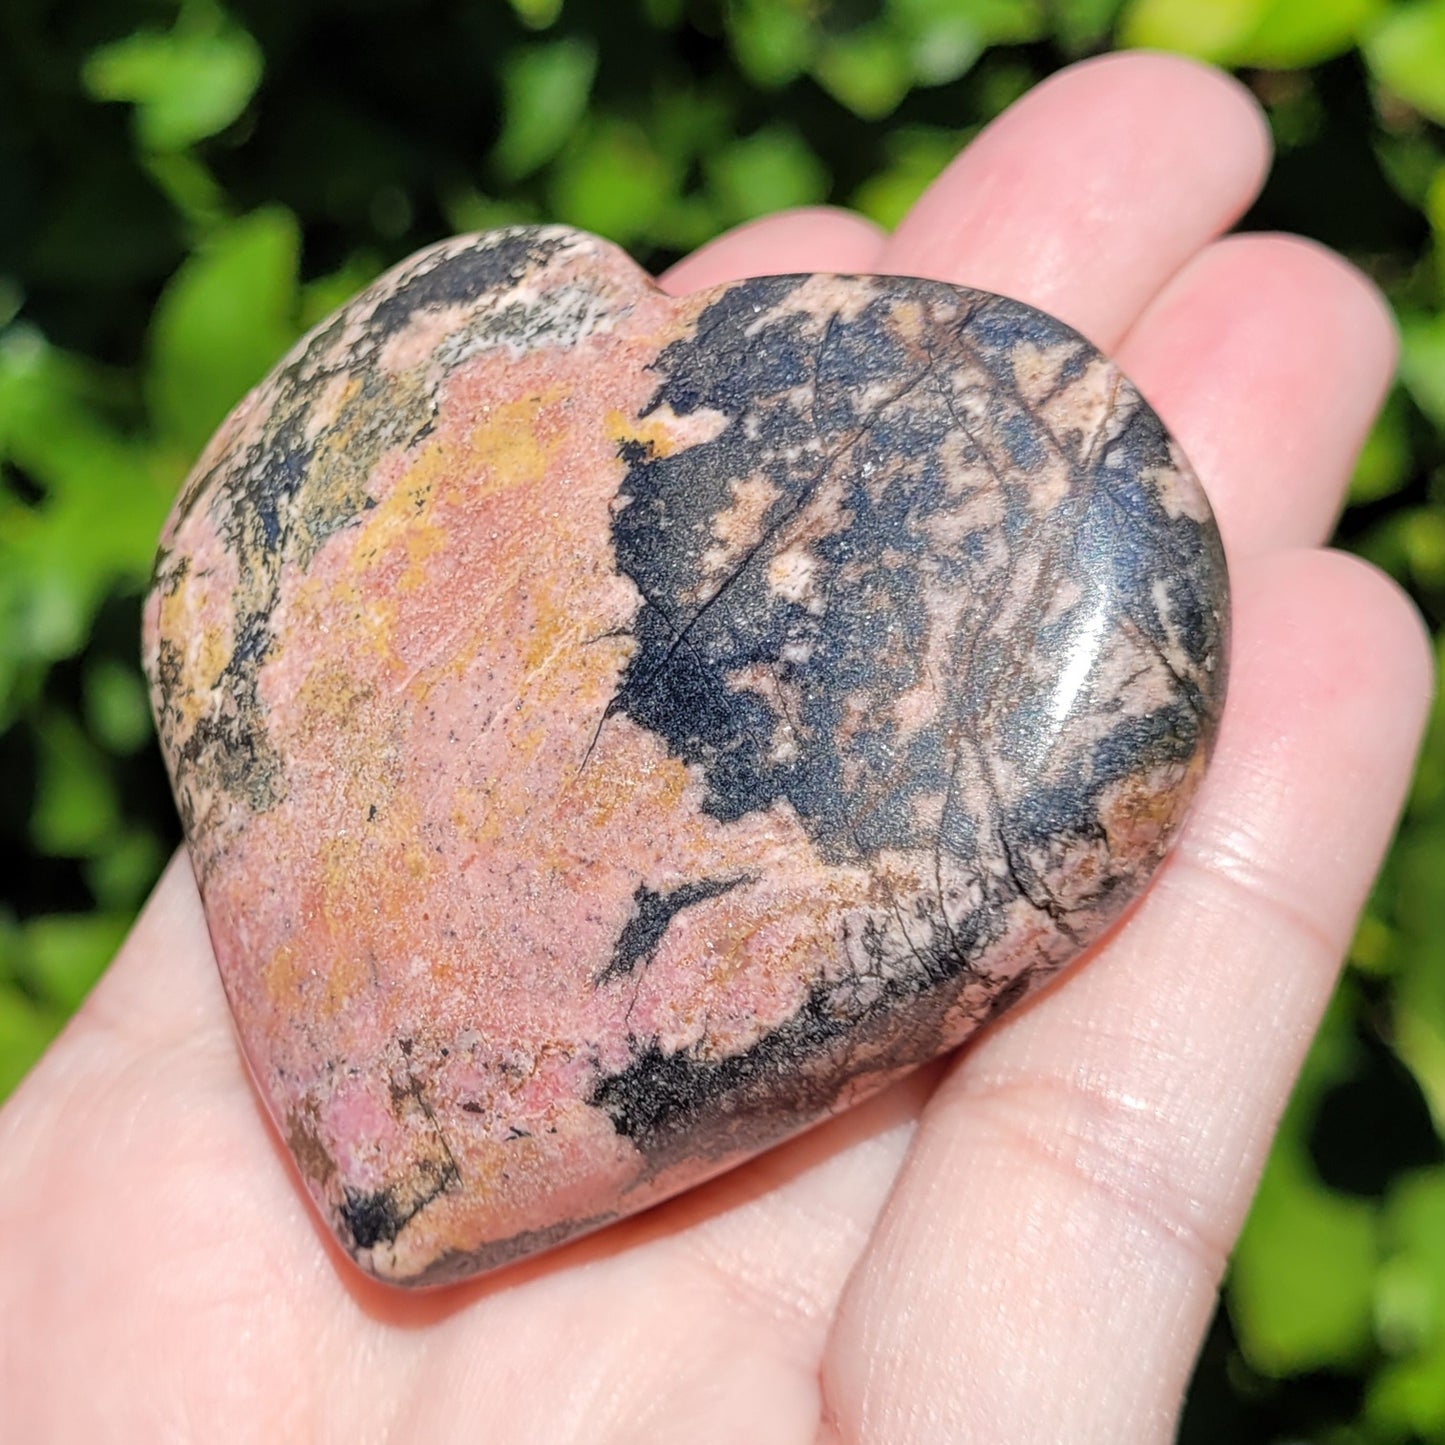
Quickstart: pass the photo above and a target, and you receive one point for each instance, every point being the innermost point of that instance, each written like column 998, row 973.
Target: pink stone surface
column 614, row 732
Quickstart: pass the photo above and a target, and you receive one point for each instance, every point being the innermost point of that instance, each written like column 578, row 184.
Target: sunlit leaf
column 224, row 319
column 190, row 188
column 1292, row 1315
column 1276, row 34
column 77, row 808
column 66, row 953
column 943, row 40
column 26, row 1028
column 1083, row 24
column 125, row 870
column 1406, row 54
column 116, row 710
column 544, row 93
column 613, row 182
column 767, row 171
column 1385, row 459
column 186, row 83
column 774, row 40
column 688, row 222
column 319, row 298
column 1296, row 33
column 1408, row 1394
column 1434, row 208
column 1427, row 798
column 1418, row 868
column 1289, row 1313
column 690, row 123
column 104, row 500
column 1209, row 31
column 1422, row 362
column 868, row 70
column 917, row 156
column 1423, row 531
column 945, row 37
column 538, row 14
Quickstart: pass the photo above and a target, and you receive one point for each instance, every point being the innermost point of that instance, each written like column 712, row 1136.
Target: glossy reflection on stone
column 614, row 732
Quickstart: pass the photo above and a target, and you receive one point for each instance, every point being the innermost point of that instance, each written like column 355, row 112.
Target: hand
column 1022, row 1244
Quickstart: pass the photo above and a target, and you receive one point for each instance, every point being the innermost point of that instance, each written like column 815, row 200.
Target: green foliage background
column 185, row 188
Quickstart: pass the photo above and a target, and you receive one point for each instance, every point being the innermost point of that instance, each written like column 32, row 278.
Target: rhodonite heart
column 613, row 731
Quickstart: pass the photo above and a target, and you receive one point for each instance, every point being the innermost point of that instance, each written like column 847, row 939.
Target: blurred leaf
column 116, row 710
column 1083, row 24
column 774, row 40
column 224, row 319
column 1001, row 84
column 1407, row 544
column 1292, row 1313
column 1420, row 1043
column 1418, row 1016
column 58, row 559
column 1296, row 33
column 319, row 298
column 1434, row 208
column 1423, row 531
column 1408, row 1394
column 1406, row 53
column 186, row 83
column 544, row 91
column 1209, row 31
column 944, row 51
column 12, row 944
column 1409, row 162
column 468, row 209
column 868, row 70
column 538, row 14
column 916, row 158
column 1296, row 111
column 1373, row 946
column 126, row 870
column 945, row 37
column 76, row 807
column 1384, row 462
column 1275, row 34
column 688, row 222
column 66, row 953
column 25, row 1031
column 12, row 298
column 613, row 182
column 689, row 123
column 1422, row 362
column 1428, row 794
column 190, row 188
column 766, row 171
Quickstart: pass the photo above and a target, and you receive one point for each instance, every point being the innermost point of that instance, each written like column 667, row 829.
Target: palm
column 1023, row 1245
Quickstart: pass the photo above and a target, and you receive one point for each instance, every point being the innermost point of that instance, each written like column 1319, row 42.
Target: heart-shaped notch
column 614, row 732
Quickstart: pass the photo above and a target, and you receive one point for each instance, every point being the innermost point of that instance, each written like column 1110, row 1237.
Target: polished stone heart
column 614, row 732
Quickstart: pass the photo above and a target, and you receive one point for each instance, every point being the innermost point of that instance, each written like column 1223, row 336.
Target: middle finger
column 1088, row 194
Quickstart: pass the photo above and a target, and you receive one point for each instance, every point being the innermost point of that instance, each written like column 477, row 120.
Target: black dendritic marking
column 853, row 431
column 377, row 1217
column 652, row 915
column 853, row 428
